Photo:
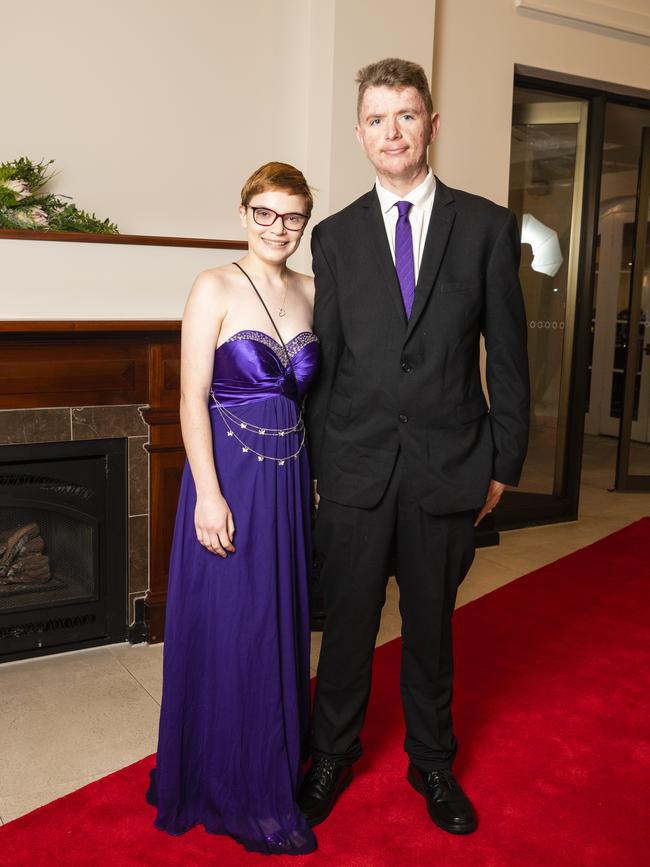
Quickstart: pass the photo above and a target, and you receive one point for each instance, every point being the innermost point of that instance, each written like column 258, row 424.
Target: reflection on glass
column 545, row 244
column 640, row 445
column 622, row 331
column 617, row 237
column 544, row 153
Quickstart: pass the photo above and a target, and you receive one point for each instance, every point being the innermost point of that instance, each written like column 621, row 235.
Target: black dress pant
column 433, row 554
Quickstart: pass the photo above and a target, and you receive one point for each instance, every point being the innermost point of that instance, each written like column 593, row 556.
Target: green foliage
column 7, row 197
column 24, row 206
column 72, row 219
column 35, row 175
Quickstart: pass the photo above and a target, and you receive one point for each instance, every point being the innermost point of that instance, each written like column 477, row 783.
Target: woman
column 236, row 661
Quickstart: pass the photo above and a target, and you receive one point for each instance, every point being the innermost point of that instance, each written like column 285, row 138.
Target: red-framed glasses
column 266, row 217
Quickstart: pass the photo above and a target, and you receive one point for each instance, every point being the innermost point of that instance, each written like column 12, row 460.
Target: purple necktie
column 404, row 256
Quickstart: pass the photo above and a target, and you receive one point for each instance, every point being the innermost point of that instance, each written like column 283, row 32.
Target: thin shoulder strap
column 284, row 346
column 263, row 305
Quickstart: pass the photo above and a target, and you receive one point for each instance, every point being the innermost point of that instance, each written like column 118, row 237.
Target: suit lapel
column 442, row 219
column 382, row 254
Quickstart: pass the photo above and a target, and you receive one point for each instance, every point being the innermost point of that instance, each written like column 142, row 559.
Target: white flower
column 31, row 218
column 19, row 187
column 39, row 216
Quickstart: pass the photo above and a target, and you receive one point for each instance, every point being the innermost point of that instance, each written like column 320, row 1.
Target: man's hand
column 314, row 493
column 494, row 493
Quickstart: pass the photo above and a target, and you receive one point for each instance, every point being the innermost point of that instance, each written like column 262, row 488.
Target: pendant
column 282, row 312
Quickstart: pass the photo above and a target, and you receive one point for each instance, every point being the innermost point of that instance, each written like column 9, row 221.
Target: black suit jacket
column 386, row 383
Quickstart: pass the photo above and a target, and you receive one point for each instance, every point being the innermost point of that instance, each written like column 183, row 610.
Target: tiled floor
column 68, row 719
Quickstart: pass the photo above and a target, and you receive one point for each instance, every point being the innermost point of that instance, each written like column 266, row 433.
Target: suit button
column 403, row 418
column 405, row 365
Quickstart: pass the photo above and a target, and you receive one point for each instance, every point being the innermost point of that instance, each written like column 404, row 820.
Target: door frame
column 618, row 214
column 626, row 481
column 521, row 509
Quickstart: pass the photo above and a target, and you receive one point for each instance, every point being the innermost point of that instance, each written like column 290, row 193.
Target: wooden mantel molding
column 145, row 240
column 81, row 326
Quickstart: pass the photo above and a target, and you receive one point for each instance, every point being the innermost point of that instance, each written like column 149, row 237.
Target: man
column 406, row 454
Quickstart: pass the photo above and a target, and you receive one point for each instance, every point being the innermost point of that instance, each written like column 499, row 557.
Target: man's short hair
column 393, row 72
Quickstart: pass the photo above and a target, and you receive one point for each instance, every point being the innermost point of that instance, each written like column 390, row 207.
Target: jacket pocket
column 471, row 409
column 458, row 287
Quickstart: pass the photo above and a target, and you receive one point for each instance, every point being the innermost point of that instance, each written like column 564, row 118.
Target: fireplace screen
column 47, row 555
column 62, row 546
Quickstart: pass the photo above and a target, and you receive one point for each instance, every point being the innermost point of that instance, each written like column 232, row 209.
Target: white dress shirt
column 422, row 200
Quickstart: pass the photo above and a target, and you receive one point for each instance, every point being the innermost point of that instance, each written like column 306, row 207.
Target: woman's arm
column 204, row 312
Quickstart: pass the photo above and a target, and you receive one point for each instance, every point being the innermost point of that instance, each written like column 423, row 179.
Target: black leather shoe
column 323, row 783
column 449, row 807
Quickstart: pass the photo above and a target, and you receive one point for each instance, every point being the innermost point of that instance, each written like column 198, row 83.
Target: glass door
column 633, row 459
column 547, row 172
column 611, row 328
column 617, row 420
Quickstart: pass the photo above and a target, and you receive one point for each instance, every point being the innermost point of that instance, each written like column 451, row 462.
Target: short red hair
column 278, row 176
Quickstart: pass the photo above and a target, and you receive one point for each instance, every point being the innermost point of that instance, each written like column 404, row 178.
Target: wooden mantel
column 98, row 363
column 139, row 240
column 83, row 326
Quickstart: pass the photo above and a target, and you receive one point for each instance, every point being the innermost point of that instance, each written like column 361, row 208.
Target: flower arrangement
column 24, row 204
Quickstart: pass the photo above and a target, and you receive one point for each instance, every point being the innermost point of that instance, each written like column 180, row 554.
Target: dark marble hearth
column 138, row 476
column 34, row 426
column 94, row 422
column 138, row 553
column 98, row 422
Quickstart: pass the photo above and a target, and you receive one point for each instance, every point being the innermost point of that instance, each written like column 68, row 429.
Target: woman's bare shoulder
column 214, row 279
column 211, row 287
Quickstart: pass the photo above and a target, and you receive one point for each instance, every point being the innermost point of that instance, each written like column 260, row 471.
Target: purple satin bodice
column 252, row 366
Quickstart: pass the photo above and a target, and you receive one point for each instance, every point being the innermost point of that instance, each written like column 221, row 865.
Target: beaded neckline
column 293, row 346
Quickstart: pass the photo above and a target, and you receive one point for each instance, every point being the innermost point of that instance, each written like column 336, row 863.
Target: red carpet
column 552, row 713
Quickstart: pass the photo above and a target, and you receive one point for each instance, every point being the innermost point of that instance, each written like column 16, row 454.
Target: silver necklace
column 285, row 280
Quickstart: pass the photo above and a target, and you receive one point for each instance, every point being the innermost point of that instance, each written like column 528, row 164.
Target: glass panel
column 546, row 168
column 622, row 330
column 592, row 327
column 639, row 463
column 618, row 248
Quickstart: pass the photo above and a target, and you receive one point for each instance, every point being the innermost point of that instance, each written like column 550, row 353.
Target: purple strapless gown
column 235, row 704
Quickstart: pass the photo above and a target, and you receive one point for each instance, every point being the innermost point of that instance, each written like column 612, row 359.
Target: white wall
column 156, row 111
column 52, row 280
column 477, row 45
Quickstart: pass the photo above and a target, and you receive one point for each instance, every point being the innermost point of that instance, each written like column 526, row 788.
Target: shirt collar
column 420, row 197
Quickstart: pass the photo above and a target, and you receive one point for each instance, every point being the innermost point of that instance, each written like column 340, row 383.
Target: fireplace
column 64, row 381
column 63, row 546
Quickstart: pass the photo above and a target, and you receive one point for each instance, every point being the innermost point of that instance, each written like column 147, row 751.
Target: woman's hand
column 214, row 524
